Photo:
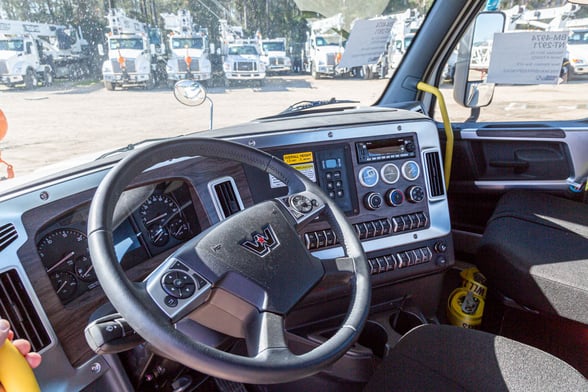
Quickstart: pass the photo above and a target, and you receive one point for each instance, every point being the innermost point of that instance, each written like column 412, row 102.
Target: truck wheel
column 227, row 83
column 367, row 72
column 30, row 79
column 47, row 79
column 313, row 72
column 109, row 86
column 150, row 83
column 170, row 84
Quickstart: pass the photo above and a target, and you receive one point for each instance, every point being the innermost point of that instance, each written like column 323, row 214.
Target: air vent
column 225, row 196
column 17, row 308
column 434, row 174
column 8, row 235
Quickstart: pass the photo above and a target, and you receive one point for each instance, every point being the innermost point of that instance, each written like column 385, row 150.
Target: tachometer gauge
column 61, row 248
column 65, row 284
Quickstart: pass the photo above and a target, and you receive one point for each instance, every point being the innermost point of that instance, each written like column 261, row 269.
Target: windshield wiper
column 304, row 105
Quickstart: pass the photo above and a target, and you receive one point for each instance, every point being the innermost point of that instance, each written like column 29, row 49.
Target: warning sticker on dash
column 299, row 157
column 305, row 168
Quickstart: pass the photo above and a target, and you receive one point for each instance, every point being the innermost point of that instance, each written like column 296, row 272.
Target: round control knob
column 394, row 197
column 372, row 201
column 440, row 247
column 415, row 194
column 410, row 147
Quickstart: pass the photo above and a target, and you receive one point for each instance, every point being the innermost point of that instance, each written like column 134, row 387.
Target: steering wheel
column 240, row 277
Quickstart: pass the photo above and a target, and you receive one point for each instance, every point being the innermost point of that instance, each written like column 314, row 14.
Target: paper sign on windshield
column 529, row 57
column 366, row 43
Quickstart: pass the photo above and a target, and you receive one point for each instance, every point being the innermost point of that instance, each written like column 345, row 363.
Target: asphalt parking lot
column 50, row 124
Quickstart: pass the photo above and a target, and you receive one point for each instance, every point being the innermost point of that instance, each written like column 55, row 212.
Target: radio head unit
column 386, row 149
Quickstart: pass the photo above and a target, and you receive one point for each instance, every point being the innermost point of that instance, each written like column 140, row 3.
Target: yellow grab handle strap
column 446, row 123
column 15, row 373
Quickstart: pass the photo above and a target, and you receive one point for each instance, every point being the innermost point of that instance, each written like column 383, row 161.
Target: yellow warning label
column 299, row 157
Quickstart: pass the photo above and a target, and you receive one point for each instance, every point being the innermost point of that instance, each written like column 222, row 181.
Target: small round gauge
column 159, row 235
column 368, row 176
column 179, row 229
column 60, row 248
column 85, row 269
column 390, row 173
column 411, row 170
column 65, row 284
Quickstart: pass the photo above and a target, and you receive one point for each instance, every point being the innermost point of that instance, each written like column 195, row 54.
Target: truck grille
column 245, row 66
column 3, row 67
column 194, row 65
column 276, row 61
column 130, row 65
column 331, row 59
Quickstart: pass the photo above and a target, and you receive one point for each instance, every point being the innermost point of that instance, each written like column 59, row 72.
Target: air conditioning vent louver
column 8, row 235
column 434, row 174
column 226, row 197
column 17, row 308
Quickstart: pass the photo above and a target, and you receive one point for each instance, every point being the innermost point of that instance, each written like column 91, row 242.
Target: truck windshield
column 238, row 50
column 126, row 43
column 12, row 44
column 192, row 43
column 273, row 47
column 578, row 38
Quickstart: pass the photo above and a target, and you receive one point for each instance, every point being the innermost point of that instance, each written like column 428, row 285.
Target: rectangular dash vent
column 8, row 235
column 226, row 198
column 434, row 174
column 16, row 307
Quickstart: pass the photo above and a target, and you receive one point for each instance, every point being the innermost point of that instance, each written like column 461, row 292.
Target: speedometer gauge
column 159, row 214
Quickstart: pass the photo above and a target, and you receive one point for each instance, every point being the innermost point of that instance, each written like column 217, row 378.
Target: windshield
column 12, row 44
column 97, row 102
column 126, row 43
column 273, row 46
column 578, row 38
column 191, row 43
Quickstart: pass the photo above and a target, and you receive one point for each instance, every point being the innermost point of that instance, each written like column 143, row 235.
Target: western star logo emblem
column 261, row 244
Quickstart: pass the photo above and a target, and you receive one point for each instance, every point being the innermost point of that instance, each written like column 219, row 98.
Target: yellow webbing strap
column 446, row 123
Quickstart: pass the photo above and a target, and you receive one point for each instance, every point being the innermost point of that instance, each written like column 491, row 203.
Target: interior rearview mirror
column 473, row 59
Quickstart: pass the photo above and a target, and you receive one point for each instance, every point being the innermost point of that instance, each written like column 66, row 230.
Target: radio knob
column 410, row 147
column 372, row 201
column 394, row 197
column 415, row 194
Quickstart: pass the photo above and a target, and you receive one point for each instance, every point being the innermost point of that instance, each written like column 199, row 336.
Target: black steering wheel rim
column 131, row 300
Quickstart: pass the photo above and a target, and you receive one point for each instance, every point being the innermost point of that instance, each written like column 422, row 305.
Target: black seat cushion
column 447, row 358
column 535, row 251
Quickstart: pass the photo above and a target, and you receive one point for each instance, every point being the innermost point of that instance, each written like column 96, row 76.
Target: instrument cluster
column 165, row 218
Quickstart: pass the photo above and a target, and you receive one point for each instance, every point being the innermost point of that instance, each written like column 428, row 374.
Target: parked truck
column 324, row 47
column 136, row 53
column 33, row 53
column 274, row 55
column 241, row 56
column 188, row 49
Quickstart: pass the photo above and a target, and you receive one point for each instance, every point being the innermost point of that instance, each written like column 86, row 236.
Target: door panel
column 490, row 159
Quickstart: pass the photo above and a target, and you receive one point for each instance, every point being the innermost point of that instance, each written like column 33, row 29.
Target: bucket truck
column 188, row 49
column 135, row 53
column 33, row 53
column 241, row 56
column 274, row 55
column 324, row 47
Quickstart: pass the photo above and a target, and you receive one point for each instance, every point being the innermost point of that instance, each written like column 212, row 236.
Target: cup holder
column 403, row 321
column 374, row 337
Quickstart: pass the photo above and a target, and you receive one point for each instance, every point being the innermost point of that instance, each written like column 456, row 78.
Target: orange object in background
column 3, row 125
column 3, row 131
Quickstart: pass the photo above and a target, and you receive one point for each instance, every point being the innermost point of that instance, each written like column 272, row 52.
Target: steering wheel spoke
column 266, row 335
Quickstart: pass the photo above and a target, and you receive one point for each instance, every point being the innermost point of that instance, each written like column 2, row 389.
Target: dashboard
column 383, row 167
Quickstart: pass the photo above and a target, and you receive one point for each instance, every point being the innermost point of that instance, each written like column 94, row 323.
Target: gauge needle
column 150, row 221
column 63, row 260
column 86, row 272
column 61, row 287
